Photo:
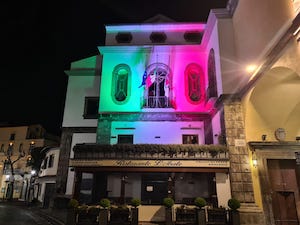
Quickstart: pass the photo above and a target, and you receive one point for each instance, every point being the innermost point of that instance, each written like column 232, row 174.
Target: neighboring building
column 47, row 176
column 166, row 90
column 20, row 140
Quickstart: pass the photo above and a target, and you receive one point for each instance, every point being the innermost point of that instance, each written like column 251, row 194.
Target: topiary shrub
column 168, row 202
column 73, row 203
column 233, row 204
column 135, row 202
column 105, row 203
column 200, row 202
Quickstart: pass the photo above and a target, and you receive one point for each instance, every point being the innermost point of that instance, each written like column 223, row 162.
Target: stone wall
column 240, row 170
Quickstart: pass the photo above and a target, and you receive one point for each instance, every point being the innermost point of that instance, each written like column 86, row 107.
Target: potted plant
column 71, row 215
column 200, row 203
column 135, row 202
column 103, row 215
column 234, row 214
column 168, row 203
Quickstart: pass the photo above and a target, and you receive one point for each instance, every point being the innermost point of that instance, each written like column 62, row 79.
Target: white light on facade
column 251, row 68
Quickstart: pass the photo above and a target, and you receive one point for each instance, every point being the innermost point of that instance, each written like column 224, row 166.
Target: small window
column 124, row 37
column 125, row 139
column 190, row 139
column 193, row 36
column 91, row 106
column 158, row 37
column 51, row 161
column 45, row 163
column 12, row 136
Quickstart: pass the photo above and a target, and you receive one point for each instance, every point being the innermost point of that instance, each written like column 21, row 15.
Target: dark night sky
column 41, row 38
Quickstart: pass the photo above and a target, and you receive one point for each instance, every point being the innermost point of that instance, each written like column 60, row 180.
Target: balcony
column 157, row 102
column 151, row 152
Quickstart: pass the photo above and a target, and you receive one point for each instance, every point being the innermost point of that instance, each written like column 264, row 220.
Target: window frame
column 51, row 161
column 185, row 138
column 115, row 84
column 125, row 136
column 87, row 102
column 194, row 84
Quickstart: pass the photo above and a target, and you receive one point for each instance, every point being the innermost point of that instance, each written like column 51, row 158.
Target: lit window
column 120, row 84
column 91, row 108
column 190, row 139
column 194, row 83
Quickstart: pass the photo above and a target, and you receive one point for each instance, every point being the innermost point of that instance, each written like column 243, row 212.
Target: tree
column 9, row 164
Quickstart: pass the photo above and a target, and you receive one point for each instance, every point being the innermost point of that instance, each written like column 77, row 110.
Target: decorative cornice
column 292, row 145
column 225, row 98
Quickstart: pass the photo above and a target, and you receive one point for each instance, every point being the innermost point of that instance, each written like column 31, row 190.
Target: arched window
column 212, row 81
column 194, row 83
column 121, row 83
column 158, row 82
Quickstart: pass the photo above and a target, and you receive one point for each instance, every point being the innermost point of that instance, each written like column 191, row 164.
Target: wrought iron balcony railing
column 157, row 102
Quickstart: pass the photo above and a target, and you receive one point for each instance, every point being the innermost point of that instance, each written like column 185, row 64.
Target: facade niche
column 120, row 83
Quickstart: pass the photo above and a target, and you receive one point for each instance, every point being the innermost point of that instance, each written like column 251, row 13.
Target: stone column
column 240, row 170
column 104, row 131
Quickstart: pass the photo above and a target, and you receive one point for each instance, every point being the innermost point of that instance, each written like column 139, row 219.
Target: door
column 284, row 191
column 154, row 188
column 49, row 192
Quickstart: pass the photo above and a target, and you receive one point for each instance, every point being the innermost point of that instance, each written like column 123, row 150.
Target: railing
column 94, row 151
column 157, row 102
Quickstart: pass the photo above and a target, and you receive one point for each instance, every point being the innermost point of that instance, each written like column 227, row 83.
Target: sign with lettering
column 149, row 163
column 240, row 142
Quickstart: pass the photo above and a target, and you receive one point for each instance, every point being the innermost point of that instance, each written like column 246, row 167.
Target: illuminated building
column 162, row 87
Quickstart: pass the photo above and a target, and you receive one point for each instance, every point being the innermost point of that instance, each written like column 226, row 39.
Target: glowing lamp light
column 33, row 172
column 254, row 160
column 251, row 68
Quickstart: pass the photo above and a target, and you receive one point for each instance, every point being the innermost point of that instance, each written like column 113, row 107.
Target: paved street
column 19, row 214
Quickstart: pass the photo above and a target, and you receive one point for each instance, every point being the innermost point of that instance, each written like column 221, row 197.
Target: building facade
column 190, row 110
column 46, row 179
column 16, row 144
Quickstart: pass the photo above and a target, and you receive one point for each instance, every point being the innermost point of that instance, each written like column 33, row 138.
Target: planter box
column 234, row 217
column 168, row 216
column 201, row 217
column 134, row 216
column 103, row 217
